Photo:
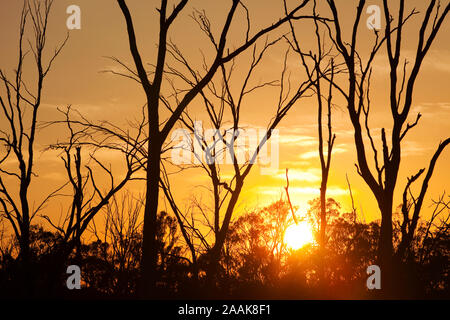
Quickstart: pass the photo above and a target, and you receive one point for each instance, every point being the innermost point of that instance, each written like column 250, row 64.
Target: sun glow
column 299, row 235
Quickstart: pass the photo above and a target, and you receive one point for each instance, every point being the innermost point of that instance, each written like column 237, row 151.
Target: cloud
column 285, row 139
column 412, row 148
column 315, row 153
column 436, row 60
column 310, row 175
column 295, row 164
column 431, row 109
column 82, row 107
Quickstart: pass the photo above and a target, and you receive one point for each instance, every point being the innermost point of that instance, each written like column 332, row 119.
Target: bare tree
column 435, row 230
column 190, row 233
column 321, row 60
column 122, row 237
column 414, row 204
column 20, row 105
column 157, row 131
column 89, row 197
column 382, row 180
column 222, row 104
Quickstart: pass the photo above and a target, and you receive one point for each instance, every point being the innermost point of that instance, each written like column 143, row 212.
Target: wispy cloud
column 315, row 153
column 436, row 60
column 431, row 109
column 413, row 148
column 310, row 175
column 298, row 140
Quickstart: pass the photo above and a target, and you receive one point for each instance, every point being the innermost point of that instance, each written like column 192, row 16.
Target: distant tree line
column 255, row 263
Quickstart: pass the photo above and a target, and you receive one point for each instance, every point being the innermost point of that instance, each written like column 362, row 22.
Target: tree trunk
column 214, row 254
column 323, row 224
column 26, row 279
column 385, row 247
column 149, row 248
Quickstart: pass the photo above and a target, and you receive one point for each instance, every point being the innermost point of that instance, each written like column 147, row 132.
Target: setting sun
column 298, row 235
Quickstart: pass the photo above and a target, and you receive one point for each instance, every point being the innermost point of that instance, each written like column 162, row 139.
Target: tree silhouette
column 323, row 62
column 19, row 135
column 152, row 89
column 222, row 104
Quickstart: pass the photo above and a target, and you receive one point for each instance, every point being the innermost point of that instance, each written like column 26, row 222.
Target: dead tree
column 195, row 240
column 88, row 196
column 435, row 230
column 121, row 234
column 85, row 174
column 414, row 204
column 20, row 106
column 382, row 180
column 314, row 74
column 223, row 104
column 157, row 131
column 321, row 60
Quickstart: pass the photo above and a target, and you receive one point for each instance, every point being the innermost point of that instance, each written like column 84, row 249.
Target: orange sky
column 76, row 79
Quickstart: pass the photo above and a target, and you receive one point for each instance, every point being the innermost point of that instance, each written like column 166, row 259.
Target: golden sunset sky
column 76, row 79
